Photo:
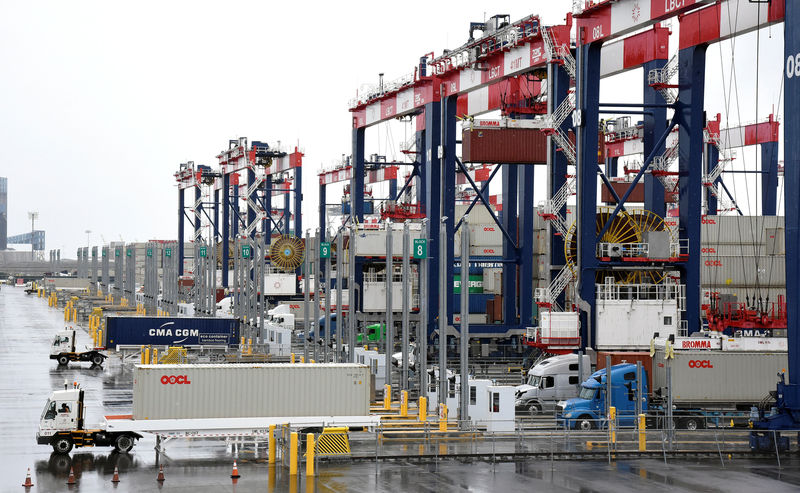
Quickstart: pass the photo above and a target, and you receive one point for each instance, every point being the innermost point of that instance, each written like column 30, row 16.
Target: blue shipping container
column 171, row 331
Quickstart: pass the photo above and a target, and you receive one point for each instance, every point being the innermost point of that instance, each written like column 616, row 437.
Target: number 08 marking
column 793, row 66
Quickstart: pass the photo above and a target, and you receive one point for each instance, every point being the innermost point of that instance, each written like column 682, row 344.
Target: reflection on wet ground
column 27, row 376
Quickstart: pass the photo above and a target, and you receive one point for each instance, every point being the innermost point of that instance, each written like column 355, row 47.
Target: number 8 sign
column 421, row 248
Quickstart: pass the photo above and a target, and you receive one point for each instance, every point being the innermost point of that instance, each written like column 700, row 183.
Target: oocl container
column 250, row 390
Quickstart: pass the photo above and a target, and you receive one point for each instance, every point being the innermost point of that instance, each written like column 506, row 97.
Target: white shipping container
column 719, row 377
column 743, row 270
column 250, row 390
column 630, row 324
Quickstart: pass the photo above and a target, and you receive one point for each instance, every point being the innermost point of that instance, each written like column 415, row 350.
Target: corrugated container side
column 738, row 229
column 743, row 270
column 620, row 357
column 636, row 196
column 713, row 250
column 505, row 146
column 228, row 391
column 719, row 377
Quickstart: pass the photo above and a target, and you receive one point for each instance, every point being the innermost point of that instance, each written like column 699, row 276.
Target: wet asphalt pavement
column 27, row 376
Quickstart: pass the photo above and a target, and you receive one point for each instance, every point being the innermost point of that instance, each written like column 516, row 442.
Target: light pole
column 33, row 216
column 88, row 232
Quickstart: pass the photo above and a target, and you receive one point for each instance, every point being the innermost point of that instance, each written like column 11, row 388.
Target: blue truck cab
column 588, row 410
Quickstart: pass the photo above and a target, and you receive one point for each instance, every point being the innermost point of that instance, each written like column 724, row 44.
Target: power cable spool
column 648, row 221
column 287, row 252
column 623, row 229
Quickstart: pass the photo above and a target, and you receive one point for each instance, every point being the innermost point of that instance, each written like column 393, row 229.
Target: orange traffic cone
column 160, row 477
column 115, row 479
column 71, row 479
column 235, row 473
column 28, row 483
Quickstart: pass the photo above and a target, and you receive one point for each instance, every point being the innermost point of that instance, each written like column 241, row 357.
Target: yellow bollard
column 272, row 441
column 155, row 356
column 642, row 433
column 146, row 360
column 310, row 454
column 249, row 346
column 404, row 403
column 66, row 313
column 293, row 454
column 442, row 417
column 74, row 314
column 292, row 358
column 241, row 345
column 99, row 338
column 612, row 423
column 423, row 409
column 142, row 355
column 387, row 397
column 312, row 361
column 302, row 359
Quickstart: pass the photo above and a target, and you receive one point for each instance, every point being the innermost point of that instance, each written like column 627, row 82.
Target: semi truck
column 63, row 350
column 709, row 388
column 551, row 380
column 191, row 401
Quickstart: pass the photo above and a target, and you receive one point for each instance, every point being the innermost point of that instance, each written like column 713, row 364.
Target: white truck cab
column 551, row 380
column 63, row 350
column 62, row 425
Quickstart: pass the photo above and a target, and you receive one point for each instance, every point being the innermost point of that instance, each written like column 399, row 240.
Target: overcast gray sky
column 100, row 102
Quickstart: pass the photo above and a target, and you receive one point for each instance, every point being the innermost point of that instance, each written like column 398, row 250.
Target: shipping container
column 250, row 390
column 636, row 196
column 738, row 229
column 620, row 357
column 504, row 146
column 170, row 331
column 743, row 270
column 719, row 377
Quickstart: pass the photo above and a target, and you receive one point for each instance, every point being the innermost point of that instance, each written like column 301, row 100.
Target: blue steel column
column 769, row 178
column 559, row 81
column 226, row 232
column 430, row 178
column 449, row 211
column 298, row 202
column 267, row 227
column 421, row 159
column 527, row 210
column 791, row 151
column 510, row 183
column 691, row 121
column 356, row 213
column 198, row 217
column 287, row 212
column 322, row 201
column 588, row 87
column 393, row 189
column 712, row 161
column 235, row 209
column 655, row 123
column 612, row 165
column 181, row 216
column 216, row 215
column 251, row 214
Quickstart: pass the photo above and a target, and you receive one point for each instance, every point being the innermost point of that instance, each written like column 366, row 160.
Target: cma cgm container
column 719, row 377
column 250, row 390
column 170, row 331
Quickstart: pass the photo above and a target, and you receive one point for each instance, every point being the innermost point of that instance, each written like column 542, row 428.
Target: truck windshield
column 587, row 393
column 534, row 380
column 49, row 410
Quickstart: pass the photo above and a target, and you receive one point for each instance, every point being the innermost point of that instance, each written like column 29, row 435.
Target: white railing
column 611, row 291
column 663, row 76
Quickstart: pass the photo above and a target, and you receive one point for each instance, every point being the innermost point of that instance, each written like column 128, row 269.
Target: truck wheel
column 97, row 359
column 584, row 423
column 534, row 409
column 123, row 443
column 63, row 360
column 691, row 423
column 62, row 445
